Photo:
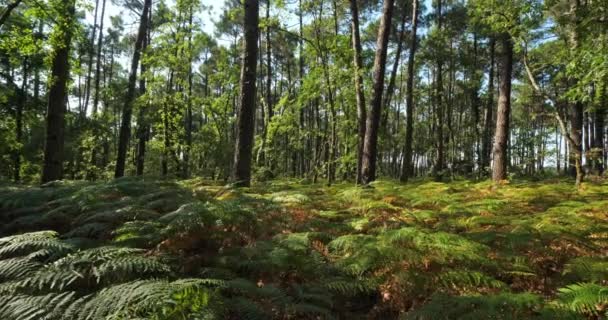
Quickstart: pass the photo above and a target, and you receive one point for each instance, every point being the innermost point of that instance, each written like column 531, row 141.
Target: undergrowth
column 142, row 248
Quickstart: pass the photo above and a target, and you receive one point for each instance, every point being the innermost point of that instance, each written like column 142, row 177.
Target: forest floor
column 286, row 250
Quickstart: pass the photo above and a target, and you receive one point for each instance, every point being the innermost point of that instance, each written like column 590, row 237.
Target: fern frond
column 585, row 298
column 23, row 244
column 22, row 307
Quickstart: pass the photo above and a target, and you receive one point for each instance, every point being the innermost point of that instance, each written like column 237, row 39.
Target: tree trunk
column 57, row 98
column 127, row 111
column 360, row 92
column 142, row 127
column 489, row 116
column 439, row 166
column 501, row 135
column 189, row 120
column 246, row 121
column 19, row 124
column 90, row 62
column 576, row 148
column 97, row 81
column 406, row 165
column 98, row 63
column 598, row 142
column 368, row 168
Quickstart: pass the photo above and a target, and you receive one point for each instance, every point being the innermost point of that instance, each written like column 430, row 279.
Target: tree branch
column 555, row 113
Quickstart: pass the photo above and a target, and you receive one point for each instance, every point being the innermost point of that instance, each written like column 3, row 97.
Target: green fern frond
column 585, row 298
column 587, row 269
column 22, row 307
column 17, row 268
column 466, row 280
column 23, row 244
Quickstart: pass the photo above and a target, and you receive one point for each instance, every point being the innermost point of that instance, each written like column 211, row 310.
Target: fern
column 503, row 306
column 43, row 307
column 42, row 242
column 584, row 298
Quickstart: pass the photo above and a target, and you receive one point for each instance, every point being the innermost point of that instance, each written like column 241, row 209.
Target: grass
column 284, row 250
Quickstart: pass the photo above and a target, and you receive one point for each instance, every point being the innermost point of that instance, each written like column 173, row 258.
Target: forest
column 303, row 159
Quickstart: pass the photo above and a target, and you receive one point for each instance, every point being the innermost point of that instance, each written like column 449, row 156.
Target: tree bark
column 368, row 168
column 98, row 63
column 576, row 149
column 598, row 141
column 246, row 121
column 440, row 165
column 143, row 128
column 406, row 166
column 189, row 120
column 360, row 92
column 501, row 135
column 489, row 116
column 57, row 98
column 127, row 111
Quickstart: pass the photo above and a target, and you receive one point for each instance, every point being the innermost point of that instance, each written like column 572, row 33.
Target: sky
column 207, row 17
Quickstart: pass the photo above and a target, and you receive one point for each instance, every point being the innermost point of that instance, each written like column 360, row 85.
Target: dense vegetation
column 158, row 249
column 303, row 159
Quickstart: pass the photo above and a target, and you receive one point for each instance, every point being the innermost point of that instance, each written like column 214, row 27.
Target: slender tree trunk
column 360, row 92
column 98, row 61
column 489, row 116
column 90, row 63
column 577, row 110
column 19, row 123
column 368, row 168
column 127, row 111
column 142, row 127
column 598, row 142
column 246, row 121
column 97, row 82
column 406, row 166
column 189, row 120
column 501, row 136
column 439, row 166
column 57, row 98
column 392, row 79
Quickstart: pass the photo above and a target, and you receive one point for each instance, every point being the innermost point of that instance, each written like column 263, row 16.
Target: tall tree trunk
column 57, row 97
column 440, row 164
column 19, row 123
column 406, row 166
column 598, row 142
column 98, row 61
column 368, row 168
column 189, row 120
column 577, row 110
column 97, row 80
column 261, row 157
column 489, row 116
column 392, row 79
column 576, row 149
column 360, row 92
column 501, row 135
column 142, row 127
column 245, row 122
column 127, row 111
column 90, row 63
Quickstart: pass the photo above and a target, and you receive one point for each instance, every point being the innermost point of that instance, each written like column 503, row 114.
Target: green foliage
column 148, row 249
column 585, row 298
